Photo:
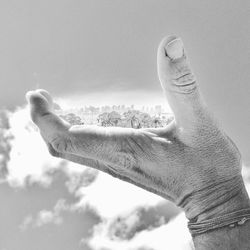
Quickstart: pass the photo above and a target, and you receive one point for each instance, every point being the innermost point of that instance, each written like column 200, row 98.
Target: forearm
column 228, row 238
column 237, row 238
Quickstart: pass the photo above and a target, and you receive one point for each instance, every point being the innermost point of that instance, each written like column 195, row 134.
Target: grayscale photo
column 124, row 125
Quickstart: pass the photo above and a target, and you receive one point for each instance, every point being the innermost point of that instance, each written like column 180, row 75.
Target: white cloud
column 110, row 197
column 246, row 177
column 29, row 157
column 30, row 160
column 79, row 177
column 172, row 236
column 45, row 217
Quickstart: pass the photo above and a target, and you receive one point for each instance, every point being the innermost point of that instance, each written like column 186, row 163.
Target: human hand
column 191, row 162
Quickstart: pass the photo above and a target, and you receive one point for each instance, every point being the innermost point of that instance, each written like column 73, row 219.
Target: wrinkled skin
column 191, row 162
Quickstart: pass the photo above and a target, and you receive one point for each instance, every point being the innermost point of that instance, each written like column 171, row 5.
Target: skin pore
column 191, row 162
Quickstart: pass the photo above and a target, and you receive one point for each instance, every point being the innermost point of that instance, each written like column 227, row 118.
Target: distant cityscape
column 117, row 115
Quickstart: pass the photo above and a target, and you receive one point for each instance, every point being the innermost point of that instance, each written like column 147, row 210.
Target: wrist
column 216, row 200
column 225, row 226
column 239, row 200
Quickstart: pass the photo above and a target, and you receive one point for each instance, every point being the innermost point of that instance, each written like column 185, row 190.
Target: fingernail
column 175, row 49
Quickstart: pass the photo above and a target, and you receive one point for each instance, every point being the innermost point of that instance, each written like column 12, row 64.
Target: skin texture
column 225, row 239
column 191, row 162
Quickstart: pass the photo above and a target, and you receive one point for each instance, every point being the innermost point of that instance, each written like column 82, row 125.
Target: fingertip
column 169, row 39
column 165, row 40
column 28, row 95
column 46, row 94
column 38, row 95
column 38, row 103
column 34, row 98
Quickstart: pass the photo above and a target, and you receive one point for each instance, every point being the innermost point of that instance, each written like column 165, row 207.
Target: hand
column 191, row 162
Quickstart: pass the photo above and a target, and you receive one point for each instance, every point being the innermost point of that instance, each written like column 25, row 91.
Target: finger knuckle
column 61, row 144
column 184, row 83
column 52, row 151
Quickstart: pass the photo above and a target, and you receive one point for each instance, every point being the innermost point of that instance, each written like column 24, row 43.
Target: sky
column 93, row 52
column 97, row 52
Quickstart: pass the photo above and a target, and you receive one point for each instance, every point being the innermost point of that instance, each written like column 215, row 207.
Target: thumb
column 179, row 82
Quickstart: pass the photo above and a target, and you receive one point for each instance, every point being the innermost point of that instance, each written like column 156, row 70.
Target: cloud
column 172, row 236
column 124, row 209
column 111, row 197
column 98, row 98
column 4, row 143
column 29, row 160
column 29, row 157
column 246, row 177
column 45, row 217
column 110, row 233
column 79, row 178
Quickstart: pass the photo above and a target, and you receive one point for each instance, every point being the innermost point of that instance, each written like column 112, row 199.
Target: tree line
column 132, row 118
